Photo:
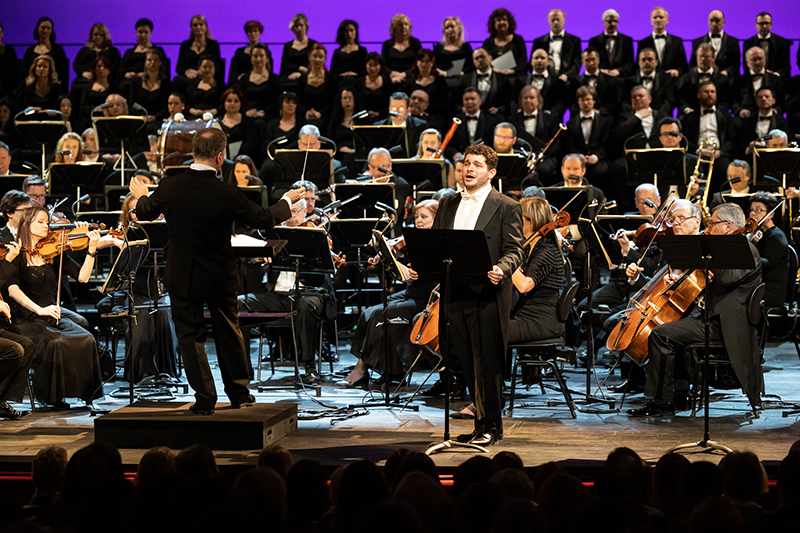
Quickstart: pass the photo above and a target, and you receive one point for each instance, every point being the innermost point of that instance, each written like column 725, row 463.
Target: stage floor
column 539, row 434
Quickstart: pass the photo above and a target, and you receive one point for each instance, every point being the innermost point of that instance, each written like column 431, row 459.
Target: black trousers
column 667, row 369
column 477, row 341
column 191, row 329
column 16, row 353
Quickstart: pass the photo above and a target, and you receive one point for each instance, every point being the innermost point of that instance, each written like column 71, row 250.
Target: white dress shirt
column 660, row 44
column 539, row 82
column 530, row 122
column 708, row 126
column 470, row 207
column 472, row 125
column 716, row 43
column 762, row 126
column 586, row 125
column 484, row 84
column 555, row 50
column 610, row 43
column 756, row 81
column 647, row 84
column 647, row 125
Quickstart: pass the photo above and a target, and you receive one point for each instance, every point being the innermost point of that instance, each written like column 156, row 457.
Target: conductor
column 201, row 268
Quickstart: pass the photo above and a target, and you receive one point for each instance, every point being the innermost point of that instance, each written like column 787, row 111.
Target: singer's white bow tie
column 467, row 196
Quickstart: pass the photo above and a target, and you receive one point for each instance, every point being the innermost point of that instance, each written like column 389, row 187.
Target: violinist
column 316, row 302
column 403, row 306
column 66, row 361
column 13, row 205
column 539, row 279
column 667, row 371
column 773, row 247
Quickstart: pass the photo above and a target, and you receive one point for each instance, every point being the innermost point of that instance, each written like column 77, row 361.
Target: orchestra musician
column 16, row 353
column 200, row 210
column 667, row 371
column 773, row 247
column 478, row 328
column 540, row 282
column 12, row 206
column 738, row 180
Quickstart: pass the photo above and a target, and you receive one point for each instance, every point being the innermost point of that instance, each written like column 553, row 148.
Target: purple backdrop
column 226, row 20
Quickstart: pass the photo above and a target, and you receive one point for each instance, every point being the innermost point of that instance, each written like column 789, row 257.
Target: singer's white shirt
column 469, row 209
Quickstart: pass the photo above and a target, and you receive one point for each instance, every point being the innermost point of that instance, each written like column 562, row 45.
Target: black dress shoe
column 247, row 400
column 6, row 411
column 633, row 387
column 485, row 438
column 311, row 377
column 466, row 437
column 197, row 410
column 654, row 408
column 61, row 405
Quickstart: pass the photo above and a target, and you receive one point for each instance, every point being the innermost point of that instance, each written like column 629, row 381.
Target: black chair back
column 566, row 300
column 791, row 286
column 755, row 303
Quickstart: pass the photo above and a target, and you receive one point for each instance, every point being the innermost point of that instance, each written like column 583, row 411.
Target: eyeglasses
column 680, row 219
column 758, row 210
column 714, row 223
column 503, row 137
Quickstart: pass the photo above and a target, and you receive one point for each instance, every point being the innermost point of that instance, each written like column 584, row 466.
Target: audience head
column 155, row 463
column 48, row 467
column 789, row 479
column 473, row 470
column 715, row 514
column 96, row 470
column 197, row 461
column 307, row 493
column 276, row 457
column 743, row 475
column 508, row 459
column 624, row 475
column 665, row 482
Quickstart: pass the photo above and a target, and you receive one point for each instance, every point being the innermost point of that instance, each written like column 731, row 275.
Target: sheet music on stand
column 387, row 136
column 129, row 260
column 247, row 246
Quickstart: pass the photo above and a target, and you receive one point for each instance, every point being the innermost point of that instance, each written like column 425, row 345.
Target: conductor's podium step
column 146, row 424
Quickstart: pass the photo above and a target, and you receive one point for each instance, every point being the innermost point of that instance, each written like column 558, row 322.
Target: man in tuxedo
column 660, row 86
column 758, row 125
column 494, row 88
column 551, row 88
column 201, row 268
column 148, row 160
column 418, row 109
column 739, row 177
column 588, row 132
column 398, row 116
column 563, row 50
column 5, row 159
column 537, row 127
column 479, row 312
column 668, row 48
column 667, row 372
column 475, row 123
column 616, row 49
column 706, row 69
column 726, row 47
column 12, row 206
column 711, row 122
column 670, row 136
column 379, row 166
column 775, row 47
column 636, row 130
column 606, row 87
column 755, row 77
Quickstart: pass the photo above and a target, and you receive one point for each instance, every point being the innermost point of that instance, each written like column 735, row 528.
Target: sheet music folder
column 246, row 246
column 429, row 248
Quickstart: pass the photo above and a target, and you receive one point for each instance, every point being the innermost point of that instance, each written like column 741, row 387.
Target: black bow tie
column 756, row 76
column 538, row 76
column 716, row 36
column 471, row 118
column 660, row 37
column 707, row 111
column 762, row 117
column 557, row 37
column 764, row 39
column 590, row 76
column 584, row 119
column 611, row 36
column 483, row 76
column 647, row 78
column 529, row 117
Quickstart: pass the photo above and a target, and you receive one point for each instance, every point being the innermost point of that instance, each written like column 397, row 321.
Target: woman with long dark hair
column 65, row 364
column 45, row 35
column 238, row 126
column 502, row 39
column 350, row 57
column 375, row 87
column 288, row 122
column 98, row 90
column 424, row 76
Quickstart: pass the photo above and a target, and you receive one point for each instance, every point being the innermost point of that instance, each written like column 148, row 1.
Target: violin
column 757, row 233
column 426, row 329
column 64, row 237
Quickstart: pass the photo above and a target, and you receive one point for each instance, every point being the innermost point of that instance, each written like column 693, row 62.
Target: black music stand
column 448, row 256
column 114, row 133
column 315, row 166
column 387, row 136
column 663, row 167
column 783, row 162
column 371, row 193
column 66, row 178
column 714, row 252
column 43, row 128
column 417, row 171
column 511, row 170
column 12, row 182
column 254, row 193
column 610, row 224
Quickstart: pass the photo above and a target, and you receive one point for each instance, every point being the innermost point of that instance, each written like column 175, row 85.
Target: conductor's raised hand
column 138, row 188
column 495, row 275
column 295, row 195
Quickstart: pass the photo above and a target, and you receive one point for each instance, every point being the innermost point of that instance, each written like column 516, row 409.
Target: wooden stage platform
column 538, row 434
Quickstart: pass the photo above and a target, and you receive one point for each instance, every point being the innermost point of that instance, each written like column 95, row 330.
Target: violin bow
column 60, row 271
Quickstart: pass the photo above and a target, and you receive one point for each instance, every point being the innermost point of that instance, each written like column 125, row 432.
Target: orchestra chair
column 788, row 313
column 718, row 355
column 546, row 352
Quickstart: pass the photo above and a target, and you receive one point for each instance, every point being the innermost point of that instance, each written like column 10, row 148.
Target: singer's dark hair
column 769, row 201
column 242, row 160
column 11, row 200
column 488, row 154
